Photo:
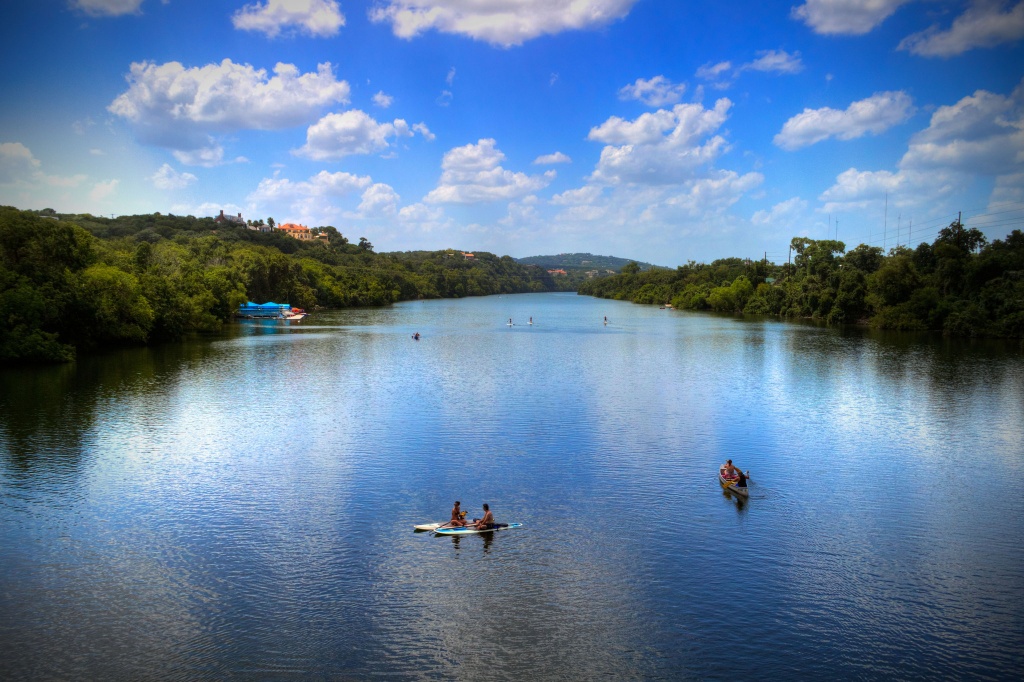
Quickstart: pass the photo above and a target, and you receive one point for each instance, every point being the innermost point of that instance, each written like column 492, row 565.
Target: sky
column 659, row 130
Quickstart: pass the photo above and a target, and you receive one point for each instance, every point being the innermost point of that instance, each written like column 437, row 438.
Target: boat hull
column 730, row 485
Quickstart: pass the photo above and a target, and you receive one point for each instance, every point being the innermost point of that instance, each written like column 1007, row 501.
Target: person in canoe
column 487, row 521
column 458, row 517
column 416, row 336
column 741, row 480
column 730, row 470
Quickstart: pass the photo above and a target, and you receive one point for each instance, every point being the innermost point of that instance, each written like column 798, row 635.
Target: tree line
column 960, row 284
column 75, row 283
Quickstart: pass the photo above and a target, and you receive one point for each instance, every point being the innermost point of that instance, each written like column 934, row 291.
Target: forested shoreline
column 960, row 285
column 75, row 283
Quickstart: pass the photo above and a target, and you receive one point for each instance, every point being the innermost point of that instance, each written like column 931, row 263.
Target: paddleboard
column 470, row 531
column 428, row 526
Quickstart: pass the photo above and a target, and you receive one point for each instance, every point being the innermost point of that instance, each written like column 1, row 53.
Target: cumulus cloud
column 473, row 174
column 353, row 132
column 383, row 101
column 499, row 22
column 979, row 136
column 659, row 147
column 983, row 24
column 177, row 107
column 786, row 213
column 16, row 162
column 875, row 115
column 656, row 92
column 550, row 159
column 845, row 17
column 316, row 18
column 168, row 178
column 379, row 199
column 107, row 8
column 582, row 196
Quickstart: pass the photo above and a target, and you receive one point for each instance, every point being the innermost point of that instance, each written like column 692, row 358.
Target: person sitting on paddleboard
column 487, row 521
column 457, row 517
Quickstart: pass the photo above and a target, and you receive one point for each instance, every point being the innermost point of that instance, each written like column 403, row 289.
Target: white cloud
column 499, row 22
column 383, row 101
column 168, row 178
column 660, row 147
column 18, row 166
column 783, row 214
column 549, row 159
column 775, row 61
column 207, row 157
column 982, row 134
column 316, row 18
column 321, row 185
column 379, row 199
column 846, row 17
column 656, row 92
column 875, row 115
column 983, row 24
column 336, row 136
column 102, row 191
column 171, row 106
column 473, row 174
column 16, row 163
column 723, row 74
column 107, row 8
column 585, row 195
column 423, row 130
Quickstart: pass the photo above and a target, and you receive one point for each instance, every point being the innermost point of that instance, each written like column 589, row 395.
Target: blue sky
column 659, row 130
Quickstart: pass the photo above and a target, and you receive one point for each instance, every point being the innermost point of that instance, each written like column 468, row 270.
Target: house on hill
column 295, row 231
column 236, row 220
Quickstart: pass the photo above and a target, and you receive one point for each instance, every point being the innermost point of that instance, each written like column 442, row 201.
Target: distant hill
column 580, row 261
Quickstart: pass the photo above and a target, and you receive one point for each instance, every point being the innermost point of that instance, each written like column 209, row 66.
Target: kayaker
column 458, row 516
column 487, row 521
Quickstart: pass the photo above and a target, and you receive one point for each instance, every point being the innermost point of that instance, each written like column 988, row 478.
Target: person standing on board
column 487, row 521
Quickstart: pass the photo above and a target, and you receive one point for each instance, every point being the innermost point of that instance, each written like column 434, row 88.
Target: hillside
column 580, row 261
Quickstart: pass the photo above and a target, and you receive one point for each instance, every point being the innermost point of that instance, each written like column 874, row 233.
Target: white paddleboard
column 429, row 526
column 470, row 531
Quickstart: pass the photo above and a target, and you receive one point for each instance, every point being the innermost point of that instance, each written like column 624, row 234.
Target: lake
column 242, row 505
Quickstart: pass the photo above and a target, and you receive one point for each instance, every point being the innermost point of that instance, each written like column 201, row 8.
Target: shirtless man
column 730, row 470
column 457, row 517
column 487, row 521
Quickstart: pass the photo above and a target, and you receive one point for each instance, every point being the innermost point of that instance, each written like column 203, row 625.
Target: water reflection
column 241, row 506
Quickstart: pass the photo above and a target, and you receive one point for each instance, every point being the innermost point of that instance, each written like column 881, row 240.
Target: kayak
column 729, row 483
column 469, row 531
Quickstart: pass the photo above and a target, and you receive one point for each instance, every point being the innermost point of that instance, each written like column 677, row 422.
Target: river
column 242, row 505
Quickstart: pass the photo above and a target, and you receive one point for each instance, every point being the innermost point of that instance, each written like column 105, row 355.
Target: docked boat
column 730, row 481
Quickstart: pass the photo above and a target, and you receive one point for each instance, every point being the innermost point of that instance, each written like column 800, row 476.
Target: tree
column 365, row 245
column 270, row 221
column 630, row 268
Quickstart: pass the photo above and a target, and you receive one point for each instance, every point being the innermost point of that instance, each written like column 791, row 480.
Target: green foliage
column 141, row 279
column 960, row 285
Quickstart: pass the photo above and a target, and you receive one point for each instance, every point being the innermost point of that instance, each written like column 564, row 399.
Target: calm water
column 242, row 506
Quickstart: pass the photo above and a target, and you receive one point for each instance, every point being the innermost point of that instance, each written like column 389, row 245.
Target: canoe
column 729, row 483
column 471, row 531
